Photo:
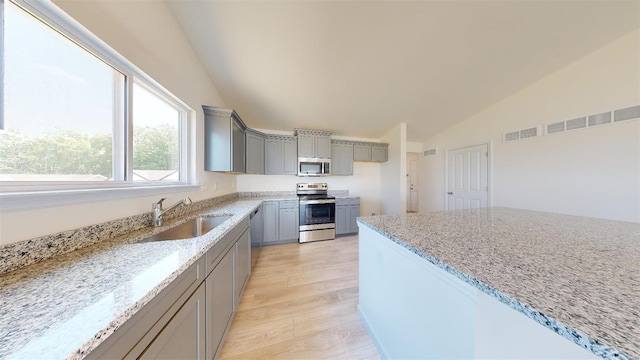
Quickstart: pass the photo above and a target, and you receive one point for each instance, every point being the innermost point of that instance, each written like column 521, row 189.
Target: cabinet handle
column 450, row 193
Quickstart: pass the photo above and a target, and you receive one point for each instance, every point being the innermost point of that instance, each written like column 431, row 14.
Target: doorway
column 412, row 182
column 468, row 177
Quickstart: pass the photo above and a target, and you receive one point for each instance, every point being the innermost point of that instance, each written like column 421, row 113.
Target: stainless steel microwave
column 314, row 166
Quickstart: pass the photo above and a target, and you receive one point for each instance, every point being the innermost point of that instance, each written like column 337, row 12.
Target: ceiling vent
column 521, row 134
column 578, row 123
column 555, row 127
column 527, row 133
column 429, row 152
column 600, row 119
column 627, row 113
column 515, row 135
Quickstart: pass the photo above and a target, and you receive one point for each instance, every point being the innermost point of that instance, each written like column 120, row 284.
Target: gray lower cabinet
column 184, row 336
column 281, row 156
column 242, row 264
column 281, row 219
column 191, row 316
column 288, row 224
column 254, row 153
column 341, row 158
column 347, row 211
column 220, row 303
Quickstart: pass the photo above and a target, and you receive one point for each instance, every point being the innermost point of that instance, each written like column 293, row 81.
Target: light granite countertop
column 578, row 276
column 65, row 306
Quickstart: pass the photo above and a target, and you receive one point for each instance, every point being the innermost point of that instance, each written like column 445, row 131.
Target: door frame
column 489, row 171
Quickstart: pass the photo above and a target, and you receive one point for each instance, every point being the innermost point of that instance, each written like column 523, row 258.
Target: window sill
column 18, row 201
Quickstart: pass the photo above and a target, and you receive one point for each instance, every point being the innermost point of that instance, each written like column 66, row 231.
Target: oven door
column 317, row 214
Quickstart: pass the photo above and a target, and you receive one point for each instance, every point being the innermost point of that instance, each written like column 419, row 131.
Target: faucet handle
column 158, row 205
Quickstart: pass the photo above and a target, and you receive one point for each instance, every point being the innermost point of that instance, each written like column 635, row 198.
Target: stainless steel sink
column 190, row 229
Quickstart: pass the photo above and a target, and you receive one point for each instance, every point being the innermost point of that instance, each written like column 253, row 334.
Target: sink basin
column 190, row 229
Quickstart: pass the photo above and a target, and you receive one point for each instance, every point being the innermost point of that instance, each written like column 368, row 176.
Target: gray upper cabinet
column 255, row 152
column 379, row 152
column 280, row 155
column 314, row 143
column 341, row 158
column 363, row 151
column 224, row 135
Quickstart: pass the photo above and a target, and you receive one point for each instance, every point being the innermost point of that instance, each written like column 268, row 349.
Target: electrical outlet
column 215, row 185
column 373, row 214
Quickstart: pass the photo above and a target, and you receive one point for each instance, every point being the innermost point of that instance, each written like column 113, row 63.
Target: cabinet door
column 273, row 157
column 220, row 301
column 378, row 153
column 288, row 224
column 322, row 146
column 362, row 153
column 290, row 157
column 354, row 212
column 242, row 264
column 237, row 154
column 184, row 336
column 306, row 145
column 342, row 222
column 341, row 159
column 255, row 154
column 271, row 223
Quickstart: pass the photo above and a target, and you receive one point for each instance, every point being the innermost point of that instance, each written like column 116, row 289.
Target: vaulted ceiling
column 361, row 67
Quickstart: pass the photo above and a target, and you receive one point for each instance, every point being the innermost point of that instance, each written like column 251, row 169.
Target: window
column 77, row 115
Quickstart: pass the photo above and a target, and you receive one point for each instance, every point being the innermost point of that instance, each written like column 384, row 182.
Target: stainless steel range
column 317, row 212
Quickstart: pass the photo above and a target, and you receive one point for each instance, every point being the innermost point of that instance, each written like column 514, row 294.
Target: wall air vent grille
column 600, row 119
column 512, row 136
column 627, row 113
column 555, row 127
column 578, row 123
column 527, row 133
column 429, row 152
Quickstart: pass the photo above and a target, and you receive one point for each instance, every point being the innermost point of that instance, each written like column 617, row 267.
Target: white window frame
column 28, row 195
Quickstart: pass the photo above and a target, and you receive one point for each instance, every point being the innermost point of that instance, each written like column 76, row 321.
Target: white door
column 468, row 180
column 412, row 182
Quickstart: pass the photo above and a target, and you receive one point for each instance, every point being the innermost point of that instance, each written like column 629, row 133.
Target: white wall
column 147, row 34
column 364, row 183
column 393, row 186
column 592, row 172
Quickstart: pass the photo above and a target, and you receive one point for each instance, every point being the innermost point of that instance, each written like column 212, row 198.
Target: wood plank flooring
column 300, row 303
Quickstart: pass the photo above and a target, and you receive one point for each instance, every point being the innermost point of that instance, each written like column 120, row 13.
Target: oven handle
column 311, row 202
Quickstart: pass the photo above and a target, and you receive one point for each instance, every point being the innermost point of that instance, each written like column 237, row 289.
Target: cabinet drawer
column 135, row 334
column 347, row 201
column 288, row 204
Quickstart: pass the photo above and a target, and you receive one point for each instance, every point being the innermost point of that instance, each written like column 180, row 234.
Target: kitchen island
column 500, row 282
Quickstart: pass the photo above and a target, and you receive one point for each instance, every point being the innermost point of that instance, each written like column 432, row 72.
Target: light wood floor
column 300, row 303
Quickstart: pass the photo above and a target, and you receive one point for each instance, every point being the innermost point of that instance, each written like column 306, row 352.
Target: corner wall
column 147, row 34
column 393, row 186
column 592, row 172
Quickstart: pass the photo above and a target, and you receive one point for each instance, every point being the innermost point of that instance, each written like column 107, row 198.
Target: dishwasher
column 256, row 223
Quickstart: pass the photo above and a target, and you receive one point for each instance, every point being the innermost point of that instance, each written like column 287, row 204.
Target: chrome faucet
column 158, row 212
